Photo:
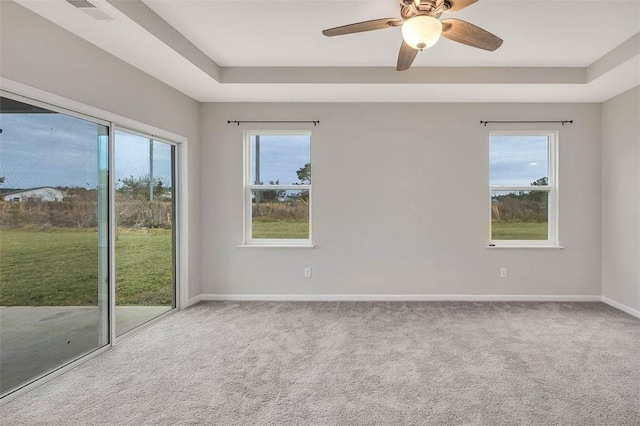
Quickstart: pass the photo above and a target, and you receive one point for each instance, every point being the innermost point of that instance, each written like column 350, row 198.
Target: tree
column 543, row 181
column 539, row 196
column 304, row 174
column 138, row 188
column 304, row 177
column 272, row 195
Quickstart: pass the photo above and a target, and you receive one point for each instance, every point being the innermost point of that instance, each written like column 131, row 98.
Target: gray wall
column 400, row 203
column 385, row 220
column 621, row 199
column 38, row 53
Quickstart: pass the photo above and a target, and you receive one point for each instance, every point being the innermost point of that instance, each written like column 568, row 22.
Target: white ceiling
column 234, row 50
column 288, row 33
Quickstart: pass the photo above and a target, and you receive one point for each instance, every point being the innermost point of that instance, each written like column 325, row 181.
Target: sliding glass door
column 53, row 240
column 87, row 236
column 145, row 229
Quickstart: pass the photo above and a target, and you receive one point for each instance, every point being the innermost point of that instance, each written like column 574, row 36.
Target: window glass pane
column 280, row 159
column 145, row 250
column 162, row 155
column 280, row 214
column 520, row 160
column 53, row 240
column 521, row 215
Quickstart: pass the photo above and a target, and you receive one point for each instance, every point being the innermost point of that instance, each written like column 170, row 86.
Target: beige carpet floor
column 323, row 363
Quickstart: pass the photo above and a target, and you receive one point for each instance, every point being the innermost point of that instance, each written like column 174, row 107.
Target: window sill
column 286, row 246
column 525, row 246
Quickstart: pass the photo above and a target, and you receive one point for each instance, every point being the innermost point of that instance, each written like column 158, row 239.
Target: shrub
column 288, row 210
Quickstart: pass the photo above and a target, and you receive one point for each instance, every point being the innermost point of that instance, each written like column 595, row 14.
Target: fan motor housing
column 409, row 9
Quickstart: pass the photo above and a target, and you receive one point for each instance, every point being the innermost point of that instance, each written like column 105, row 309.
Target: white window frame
column 551, row 189
column 249, row 241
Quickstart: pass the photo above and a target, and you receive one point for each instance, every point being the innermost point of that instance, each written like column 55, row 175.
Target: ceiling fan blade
column 376, row 24
column 406, row 56
column 466, row 33
column 459, row 4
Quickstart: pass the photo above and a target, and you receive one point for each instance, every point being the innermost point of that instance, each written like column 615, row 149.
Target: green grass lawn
column 281, row 229
column 519, row 231
column 300, row 229
column 144, row 267
column 45, row 268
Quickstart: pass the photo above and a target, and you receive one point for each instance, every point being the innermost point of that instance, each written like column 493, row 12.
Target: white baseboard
column 414, row 297
column 622, row 307
column 399, row 297
column 195, row 300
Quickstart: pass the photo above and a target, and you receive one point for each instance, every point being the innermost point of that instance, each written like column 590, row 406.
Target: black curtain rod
column 238, row 122
column 563, row 122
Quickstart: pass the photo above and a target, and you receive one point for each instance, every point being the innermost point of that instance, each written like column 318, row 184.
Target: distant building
column 45, row 193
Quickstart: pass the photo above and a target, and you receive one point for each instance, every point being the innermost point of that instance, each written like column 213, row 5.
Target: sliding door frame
column 102, row 327
column 37, row 97
column 176, row 232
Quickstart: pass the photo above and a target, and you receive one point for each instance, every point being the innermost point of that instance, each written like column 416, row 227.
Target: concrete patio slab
column 34, row 340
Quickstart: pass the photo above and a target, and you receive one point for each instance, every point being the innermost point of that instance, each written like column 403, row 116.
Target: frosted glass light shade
column 421, row 32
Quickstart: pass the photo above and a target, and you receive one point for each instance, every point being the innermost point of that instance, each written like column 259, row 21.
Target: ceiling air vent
column 90, row 9
column 80, row 3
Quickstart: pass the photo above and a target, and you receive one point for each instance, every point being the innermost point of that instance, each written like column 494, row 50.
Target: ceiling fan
column 421, row 28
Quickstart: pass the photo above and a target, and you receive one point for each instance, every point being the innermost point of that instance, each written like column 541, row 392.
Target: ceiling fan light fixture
column 422, row 31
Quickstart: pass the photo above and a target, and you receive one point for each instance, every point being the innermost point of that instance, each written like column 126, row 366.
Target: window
column 277, row 188
column 523, row 183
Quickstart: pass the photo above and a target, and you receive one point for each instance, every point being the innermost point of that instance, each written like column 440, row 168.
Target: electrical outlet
column 307, row 272
column 503, row 272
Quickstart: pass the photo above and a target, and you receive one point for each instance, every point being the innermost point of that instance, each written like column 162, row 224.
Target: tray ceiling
column 242, row 50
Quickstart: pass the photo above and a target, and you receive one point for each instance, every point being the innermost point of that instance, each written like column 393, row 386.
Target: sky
column 47, row 150
column 132, row 158
column 517, row 160
column 59, row 150
column 281, row 156
column 514, row 160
